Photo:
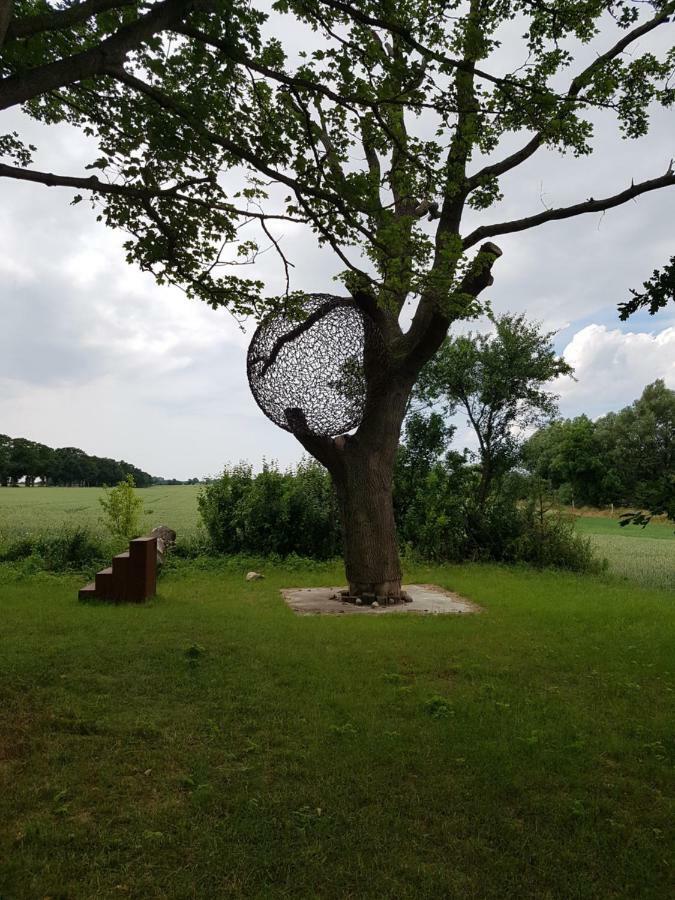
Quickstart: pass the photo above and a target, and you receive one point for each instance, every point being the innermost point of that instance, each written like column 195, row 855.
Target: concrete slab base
column 428, row 599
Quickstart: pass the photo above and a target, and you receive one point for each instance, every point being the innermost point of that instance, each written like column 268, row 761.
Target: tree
column 23, row 461
column 656, row 292
column 122, row 509
column 626, row 458
column 373, row 141
column 431, row 485
column 568, row 454
column 501, row 382
column 641, row 444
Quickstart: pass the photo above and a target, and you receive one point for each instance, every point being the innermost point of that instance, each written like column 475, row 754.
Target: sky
column 94, row 354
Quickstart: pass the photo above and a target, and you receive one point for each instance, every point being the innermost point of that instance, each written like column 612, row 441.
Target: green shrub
column 272, row 513
column 58, row 551
column 440, row 520
column 122, row 510
column 548, row 538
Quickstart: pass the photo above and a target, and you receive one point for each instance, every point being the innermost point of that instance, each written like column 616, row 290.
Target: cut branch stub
column 307, row 372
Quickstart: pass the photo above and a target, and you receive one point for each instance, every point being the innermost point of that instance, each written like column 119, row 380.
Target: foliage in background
column 273, row 512
column 277, row 514
column 65, row 466
column 442, row 515
column 431, row 485
column 122, row 510
column 453, row 506
column 500, row 381
column 625, row 458
column 71, row 547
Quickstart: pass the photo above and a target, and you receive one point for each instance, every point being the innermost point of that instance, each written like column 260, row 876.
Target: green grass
column 644, row 556
column 211, row 744
column 29, row 510
column 605, row 525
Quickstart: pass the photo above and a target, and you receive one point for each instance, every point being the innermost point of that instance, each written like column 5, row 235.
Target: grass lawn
column 211, row 744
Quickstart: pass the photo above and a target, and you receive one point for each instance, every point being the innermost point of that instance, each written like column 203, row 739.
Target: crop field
column 643, row 555
column 29, row 510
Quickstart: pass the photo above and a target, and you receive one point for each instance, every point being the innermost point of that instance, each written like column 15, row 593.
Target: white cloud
column 612, row 368
column 94, row 354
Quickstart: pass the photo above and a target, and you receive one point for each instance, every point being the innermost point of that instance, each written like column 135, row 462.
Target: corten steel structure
column 132, row 578
column 306, row 371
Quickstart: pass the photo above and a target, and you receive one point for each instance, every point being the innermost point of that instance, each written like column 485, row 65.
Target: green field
column 211, row 744
column 605, row 525
column 28, row 510
column 645, row 556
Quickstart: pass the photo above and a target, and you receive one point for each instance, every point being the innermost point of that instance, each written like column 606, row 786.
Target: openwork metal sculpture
column 306, row 372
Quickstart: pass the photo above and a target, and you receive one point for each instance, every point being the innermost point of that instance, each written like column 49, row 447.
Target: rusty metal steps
column 104, row 583
column 130, row 578
column 88, row 592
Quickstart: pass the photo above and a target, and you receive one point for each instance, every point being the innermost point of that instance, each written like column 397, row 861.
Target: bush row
column 293, row 516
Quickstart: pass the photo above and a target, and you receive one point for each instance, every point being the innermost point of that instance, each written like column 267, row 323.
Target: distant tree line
column 175, row 481
column 21, row 459
column 625, row 458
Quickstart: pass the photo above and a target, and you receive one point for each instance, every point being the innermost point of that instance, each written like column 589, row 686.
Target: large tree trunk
column 362, row 469
column 364, row 490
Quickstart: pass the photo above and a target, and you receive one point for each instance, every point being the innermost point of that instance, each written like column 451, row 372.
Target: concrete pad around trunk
column 427, row 599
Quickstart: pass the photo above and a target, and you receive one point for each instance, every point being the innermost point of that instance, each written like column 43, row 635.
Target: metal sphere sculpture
column 306, row 371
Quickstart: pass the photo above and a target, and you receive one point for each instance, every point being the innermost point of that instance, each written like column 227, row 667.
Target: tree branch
column 359, row 16
column 134, row 192
column 242, row 154
column 58, row 19
column 578, row 83
column 372, row 159
column 566, row 212
column 96, row 60
column 326, row 449
column 280, row 253
column 430, row 323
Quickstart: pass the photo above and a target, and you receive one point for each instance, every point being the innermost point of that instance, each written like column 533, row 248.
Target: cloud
column 94, row 354
column 612, row 368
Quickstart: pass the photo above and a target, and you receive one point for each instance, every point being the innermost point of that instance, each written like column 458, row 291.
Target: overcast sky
column 93, row 354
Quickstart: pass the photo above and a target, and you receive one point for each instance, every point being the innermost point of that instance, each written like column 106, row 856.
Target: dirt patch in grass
column 428, row 599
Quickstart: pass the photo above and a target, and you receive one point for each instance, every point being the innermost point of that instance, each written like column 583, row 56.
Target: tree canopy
column 626, row 458
column 377, row 136
column 502, row 382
